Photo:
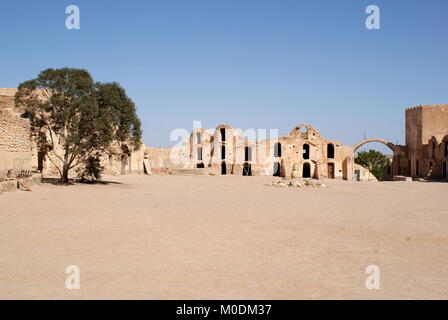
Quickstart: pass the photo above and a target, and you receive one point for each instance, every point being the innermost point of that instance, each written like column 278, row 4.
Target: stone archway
column 363, row 142
column 350, row 161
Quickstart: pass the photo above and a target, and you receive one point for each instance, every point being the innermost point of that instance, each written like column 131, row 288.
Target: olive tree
column 73, row 117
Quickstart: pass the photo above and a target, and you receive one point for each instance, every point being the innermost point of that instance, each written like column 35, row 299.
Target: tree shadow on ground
column 57, row 182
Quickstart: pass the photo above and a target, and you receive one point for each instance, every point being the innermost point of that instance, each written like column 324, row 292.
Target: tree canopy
column 73, row 117
column 375, row 161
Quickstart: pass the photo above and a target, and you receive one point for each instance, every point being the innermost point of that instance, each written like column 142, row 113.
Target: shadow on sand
column 57, row 182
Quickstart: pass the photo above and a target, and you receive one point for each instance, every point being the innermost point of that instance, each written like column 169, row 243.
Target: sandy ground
column 204, row 237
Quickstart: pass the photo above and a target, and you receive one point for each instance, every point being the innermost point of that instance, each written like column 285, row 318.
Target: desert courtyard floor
column 224, row 237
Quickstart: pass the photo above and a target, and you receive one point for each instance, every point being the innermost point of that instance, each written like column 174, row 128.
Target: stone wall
column 6, row 102
column 15, row 142
column 162, row 160
column 434, row 122
column 229, row 151
column 426, row 148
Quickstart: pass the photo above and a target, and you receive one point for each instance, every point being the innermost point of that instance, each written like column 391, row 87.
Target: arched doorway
column 391, row 146
column 306, row 172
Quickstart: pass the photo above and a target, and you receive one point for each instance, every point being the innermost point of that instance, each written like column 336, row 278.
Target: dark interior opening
column 200, row 166
column 223, row 168
column 247, row 169
column 223, row 152
column 277, row 150
column 330, row 151
column 306, row 151
column 223, row 134
column 306, row 173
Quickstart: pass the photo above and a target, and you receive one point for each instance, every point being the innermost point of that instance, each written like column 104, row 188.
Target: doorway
column 247, row 169
column 357, row 175
column 223, row 168
column 276, row 169
column 306, row 173
column 331, row 171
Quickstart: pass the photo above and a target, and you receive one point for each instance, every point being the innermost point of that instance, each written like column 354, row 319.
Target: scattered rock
column 297, row 183
column 23, row 186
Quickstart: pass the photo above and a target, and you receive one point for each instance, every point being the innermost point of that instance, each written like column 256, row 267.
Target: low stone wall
column 14, row 185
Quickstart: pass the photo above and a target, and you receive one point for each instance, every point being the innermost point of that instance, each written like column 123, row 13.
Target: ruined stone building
column 225, row 150
column 305, row 153
column 426, row 151
column 302, row 153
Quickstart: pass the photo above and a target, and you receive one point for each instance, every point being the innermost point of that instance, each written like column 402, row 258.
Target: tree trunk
column 64, row 177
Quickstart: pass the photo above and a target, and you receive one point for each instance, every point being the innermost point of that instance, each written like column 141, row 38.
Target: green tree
column 73, row 117
column 92, row 169
column 375, row 161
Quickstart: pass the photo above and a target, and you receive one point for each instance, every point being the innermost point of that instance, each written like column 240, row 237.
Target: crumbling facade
column 425, row 154
column 303, row 153
column 225, row 150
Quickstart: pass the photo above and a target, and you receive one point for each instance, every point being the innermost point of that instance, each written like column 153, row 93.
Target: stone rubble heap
column 297, row 183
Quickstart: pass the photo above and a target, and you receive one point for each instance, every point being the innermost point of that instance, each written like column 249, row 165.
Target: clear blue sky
column 247, row 63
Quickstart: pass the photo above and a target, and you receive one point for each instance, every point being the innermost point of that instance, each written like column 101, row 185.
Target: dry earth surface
column 231, row 237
